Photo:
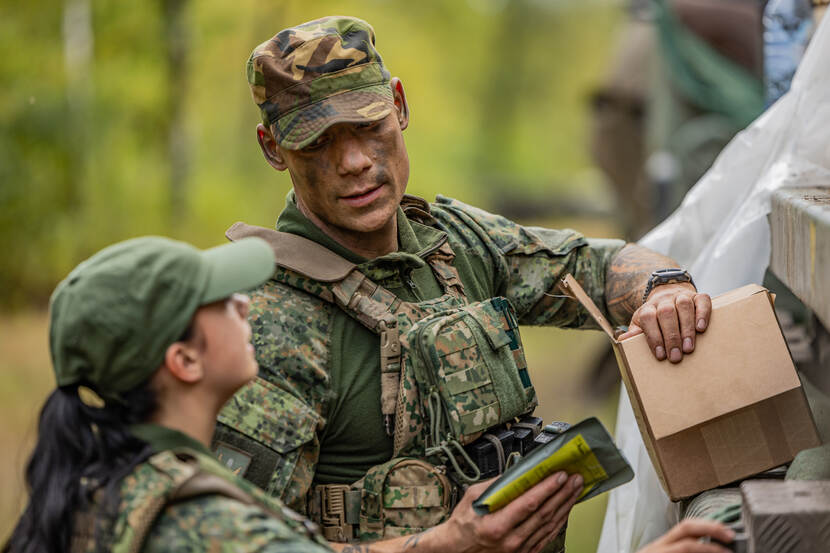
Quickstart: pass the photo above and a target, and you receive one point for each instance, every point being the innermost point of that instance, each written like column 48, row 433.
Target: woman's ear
column 269, row 147
column 400, row 102
column 184, row 363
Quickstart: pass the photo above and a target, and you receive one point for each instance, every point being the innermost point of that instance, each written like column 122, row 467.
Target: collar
column 162, row 438
column 415, row 241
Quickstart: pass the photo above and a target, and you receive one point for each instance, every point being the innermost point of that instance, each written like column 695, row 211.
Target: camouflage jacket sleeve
column 282, row 410
column 215, row 523
column 525, row 264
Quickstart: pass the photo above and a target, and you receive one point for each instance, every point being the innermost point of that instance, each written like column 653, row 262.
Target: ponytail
column 80, row 450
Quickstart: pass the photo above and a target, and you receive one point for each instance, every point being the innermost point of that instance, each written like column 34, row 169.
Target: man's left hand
column 670, row 318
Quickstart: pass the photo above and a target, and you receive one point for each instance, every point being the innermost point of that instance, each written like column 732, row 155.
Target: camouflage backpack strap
column 213, row 478
column 177, row 475
column 308, row 266
column 145, row 492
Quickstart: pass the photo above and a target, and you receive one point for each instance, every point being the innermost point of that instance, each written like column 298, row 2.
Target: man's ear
column 270, row 150
column 184, row 363
column 400, row 102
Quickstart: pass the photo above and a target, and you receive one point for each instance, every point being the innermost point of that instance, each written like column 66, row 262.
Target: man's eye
column 368, row 125
column 317, row 144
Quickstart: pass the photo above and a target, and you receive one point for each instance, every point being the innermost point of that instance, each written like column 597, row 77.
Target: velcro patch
column 234, row 459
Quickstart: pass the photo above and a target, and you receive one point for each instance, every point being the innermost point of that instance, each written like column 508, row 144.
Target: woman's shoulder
column 218, row 523
column 184, row 500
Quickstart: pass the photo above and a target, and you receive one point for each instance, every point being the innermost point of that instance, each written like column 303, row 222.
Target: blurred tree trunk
column 177, row 46
column 502, row 91
column 78, row 42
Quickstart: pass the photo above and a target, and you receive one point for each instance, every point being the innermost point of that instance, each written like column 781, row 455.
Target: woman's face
column 223, row 336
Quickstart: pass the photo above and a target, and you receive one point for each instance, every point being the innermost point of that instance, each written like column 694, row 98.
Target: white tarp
column 720, row 233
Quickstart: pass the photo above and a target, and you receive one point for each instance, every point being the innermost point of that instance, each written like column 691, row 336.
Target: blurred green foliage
column 496, row 88
column 89, row 101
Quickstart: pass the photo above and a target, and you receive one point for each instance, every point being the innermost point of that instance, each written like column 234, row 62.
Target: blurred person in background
column 686, row 77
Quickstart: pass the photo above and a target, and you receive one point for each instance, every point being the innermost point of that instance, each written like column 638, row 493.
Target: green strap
column 443, row 447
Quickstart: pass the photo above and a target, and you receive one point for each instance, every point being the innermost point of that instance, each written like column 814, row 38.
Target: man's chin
column 376, row 220
column 374, row 224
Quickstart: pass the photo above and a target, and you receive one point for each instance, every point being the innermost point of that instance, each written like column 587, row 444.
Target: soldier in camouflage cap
column 314, row 428
column 149, row 338
column 312, row 76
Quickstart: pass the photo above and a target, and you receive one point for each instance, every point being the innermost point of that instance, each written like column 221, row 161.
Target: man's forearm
column 627, row 278
column 416, row 543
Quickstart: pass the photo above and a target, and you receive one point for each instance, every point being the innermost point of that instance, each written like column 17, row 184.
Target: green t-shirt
column 353, row 439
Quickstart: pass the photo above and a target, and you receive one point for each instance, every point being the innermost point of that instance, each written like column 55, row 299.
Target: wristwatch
column 667, row 276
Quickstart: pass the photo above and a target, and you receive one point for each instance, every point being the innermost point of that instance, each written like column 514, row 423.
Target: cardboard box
column 731, row 409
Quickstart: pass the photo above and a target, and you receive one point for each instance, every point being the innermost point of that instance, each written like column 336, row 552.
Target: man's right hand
column 685, row 538
column 526, row 524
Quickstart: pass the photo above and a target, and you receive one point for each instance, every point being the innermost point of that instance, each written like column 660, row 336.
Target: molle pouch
column 471, row 370
column 402, row 496
column 260, row 431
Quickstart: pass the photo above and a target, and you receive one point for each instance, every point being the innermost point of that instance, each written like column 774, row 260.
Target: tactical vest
column 451, row 371
column 174, row 476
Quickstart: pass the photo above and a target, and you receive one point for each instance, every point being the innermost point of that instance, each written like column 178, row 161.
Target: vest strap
column 296, row 253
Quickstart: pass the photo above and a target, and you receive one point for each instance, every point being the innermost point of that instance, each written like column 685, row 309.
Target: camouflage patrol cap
column 316, row 74
column 113, row 317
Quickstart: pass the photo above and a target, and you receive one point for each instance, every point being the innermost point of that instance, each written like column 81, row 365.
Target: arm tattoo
column 412, row 541
column 627, row 277
column 355, row 548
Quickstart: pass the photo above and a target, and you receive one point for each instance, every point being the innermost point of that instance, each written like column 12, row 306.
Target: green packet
column 585, row 448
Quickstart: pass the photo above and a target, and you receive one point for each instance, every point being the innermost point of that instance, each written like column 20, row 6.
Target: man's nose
column 352, row 156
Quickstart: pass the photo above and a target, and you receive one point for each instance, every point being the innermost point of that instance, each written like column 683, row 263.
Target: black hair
column 80, row 450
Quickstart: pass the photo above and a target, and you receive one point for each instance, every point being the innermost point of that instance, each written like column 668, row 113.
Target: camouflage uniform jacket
column 304, row 345
column 202, row 520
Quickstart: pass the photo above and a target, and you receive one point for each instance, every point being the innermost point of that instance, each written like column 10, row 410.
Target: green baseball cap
column 113, row 317
column 309, row 77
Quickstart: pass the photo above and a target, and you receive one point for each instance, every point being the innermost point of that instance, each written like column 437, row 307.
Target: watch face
column 666, row 276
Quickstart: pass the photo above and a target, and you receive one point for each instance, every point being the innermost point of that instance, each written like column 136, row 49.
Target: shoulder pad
column 296, row 253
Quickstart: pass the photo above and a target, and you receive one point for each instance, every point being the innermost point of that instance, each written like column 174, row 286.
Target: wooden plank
column 800, row 235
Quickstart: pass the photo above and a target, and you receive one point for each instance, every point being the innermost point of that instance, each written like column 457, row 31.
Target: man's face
column 353, row 176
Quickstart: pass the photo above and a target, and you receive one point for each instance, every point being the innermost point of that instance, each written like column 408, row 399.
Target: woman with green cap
column 149, row 338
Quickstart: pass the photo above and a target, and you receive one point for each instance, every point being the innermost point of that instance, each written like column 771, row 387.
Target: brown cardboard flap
column 571, row 287
column 736, row 295
column 297, row 253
